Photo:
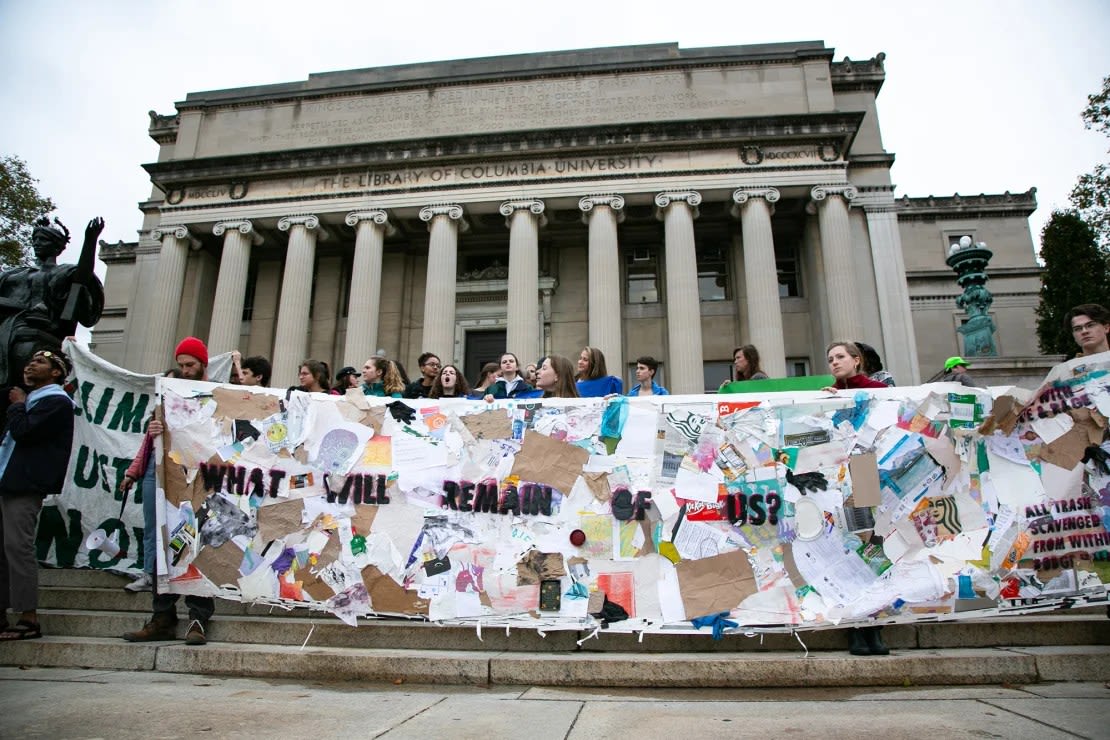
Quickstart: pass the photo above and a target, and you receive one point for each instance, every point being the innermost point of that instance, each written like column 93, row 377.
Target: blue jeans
column 150, row 519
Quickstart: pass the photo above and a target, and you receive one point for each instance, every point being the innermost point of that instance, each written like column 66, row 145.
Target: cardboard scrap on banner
column 899, row 503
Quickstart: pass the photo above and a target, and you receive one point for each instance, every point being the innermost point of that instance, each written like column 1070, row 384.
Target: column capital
column 178, row 231
column 376, row 216
column 821, row 192
column 307, row 220
column 536, row 207
column 667, row 197
column 452, row 211
column 740, row 196
column 244, row 227
column 613, row 201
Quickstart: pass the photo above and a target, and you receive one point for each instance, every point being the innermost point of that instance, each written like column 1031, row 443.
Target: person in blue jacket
column 646, row 367
column 594, row 381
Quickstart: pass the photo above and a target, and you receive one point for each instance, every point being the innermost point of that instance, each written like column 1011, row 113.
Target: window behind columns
column 248, row 295
column 797, row 367
column 788, row 266
column 641, row 275
column 715, row 372
column 713, row 273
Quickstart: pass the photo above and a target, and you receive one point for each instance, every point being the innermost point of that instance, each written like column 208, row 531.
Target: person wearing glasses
column 1089, row 324
column 34, row 455
column 429, row 371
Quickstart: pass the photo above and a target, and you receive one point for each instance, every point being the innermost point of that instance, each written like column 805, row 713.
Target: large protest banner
column 774, row 511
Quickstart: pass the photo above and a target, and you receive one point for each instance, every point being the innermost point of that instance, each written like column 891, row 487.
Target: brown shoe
column 195, row 635
column 154, row 631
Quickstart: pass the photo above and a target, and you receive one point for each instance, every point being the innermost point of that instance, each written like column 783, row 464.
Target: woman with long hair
column 380, row 378
column 593, row 379
column 846, row 365
column 487, row 378
column 873, row 364
column 556, row 378
column 450, row 383
column 313, row 377
column 745, row 360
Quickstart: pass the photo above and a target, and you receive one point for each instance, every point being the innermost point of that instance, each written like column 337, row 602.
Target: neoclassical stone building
column 644, row 200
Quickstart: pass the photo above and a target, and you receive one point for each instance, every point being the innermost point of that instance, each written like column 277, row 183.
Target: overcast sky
column 979, row 96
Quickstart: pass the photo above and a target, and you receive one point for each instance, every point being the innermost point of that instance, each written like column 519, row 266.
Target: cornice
column 964, row 206
column 866, row 75
column 818, row 128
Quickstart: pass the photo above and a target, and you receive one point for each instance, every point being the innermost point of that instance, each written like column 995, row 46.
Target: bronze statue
column 40, row 306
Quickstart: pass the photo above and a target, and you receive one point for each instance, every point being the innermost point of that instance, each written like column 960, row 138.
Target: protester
column 593, row 380
column 380, row 378
column 346, row 378
column 236, row 376
column 530, row 373
column 142, row 468
column 955, row 371
column 510, row 384
column 1089, row 324
column 192, row 363
column 645, row 378
column 34, row 456
column 256, row 371
column 429, row 371
column 846, row 365
column 873, row 365
column 556, row 378
column 490, row 372
column 450, row 383
column 745, row 361
column 313, row 377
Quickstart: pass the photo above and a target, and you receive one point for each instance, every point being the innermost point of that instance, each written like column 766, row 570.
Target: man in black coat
column 34, row 456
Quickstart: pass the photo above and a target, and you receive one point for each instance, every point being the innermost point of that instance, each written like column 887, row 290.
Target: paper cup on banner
column 98, row 539
column 809, row 519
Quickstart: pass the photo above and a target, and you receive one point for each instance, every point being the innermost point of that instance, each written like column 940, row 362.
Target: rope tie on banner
column 798, row 637
column 590, row 636
column 308, row 637
column 478, row 629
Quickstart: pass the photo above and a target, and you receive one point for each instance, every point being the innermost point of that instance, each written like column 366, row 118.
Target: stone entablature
column 863, row 75
column 967, row 206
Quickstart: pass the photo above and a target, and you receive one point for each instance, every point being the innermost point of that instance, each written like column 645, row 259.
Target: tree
column 20, row 204
column 1091, row 194
column 1076, row 270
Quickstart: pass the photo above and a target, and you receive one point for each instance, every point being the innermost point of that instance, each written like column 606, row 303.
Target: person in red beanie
column 192, row 362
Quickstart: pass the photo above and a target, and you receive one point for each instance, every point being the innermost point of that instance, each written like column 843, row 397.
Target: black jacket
column 43, row 440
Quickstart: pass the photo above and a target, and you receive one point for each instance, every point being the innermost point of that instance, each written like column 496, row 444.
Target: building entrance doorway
column 482, row 347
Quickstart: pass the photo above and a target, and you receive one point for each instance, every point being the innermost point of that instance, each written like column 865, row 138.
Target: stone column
column 166, row 296
column 602, row 213
column 899, row 340
column 231, row 286
column 524, row 219
column 678, row 211
column 836, row 250
column 753, row 208
column 444, row 222
column 291, row 333
column 366, row 285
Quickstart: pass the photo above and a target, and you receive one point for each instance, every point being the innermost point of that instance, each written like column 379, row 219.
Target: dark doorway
column 482, row 347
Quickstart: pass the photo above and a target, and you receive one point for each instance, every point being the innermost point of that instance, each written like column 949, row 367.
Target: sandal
column 23, row 630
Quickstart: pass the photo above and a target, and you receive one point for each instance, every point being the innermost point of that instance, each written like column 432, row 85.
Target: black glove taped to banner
column 610, row 612
column 1098, row 458
column 401, row 412
column 807, row 481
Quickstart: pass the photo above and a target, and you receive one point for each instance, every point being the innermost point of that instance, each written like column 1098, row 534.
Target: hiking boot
column 875, row 643
column 143, row 583
column 157, row 629
column 195, row 635
column 857, row 642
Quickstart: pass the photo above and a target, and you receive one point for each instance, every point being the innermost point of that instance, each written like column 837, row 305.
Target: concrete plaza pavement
column 62, row 703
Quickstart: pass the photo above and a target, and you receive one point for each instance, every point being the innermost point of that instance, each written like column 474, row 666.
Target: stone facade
column 644, row 200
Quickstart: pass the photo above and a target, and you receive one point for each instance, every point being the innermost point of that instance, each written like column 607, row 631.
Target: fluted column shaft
column 169, row 280
column 364, row 302
column 899, row 339
column 439, row 293
column 291, row 332
column 836, row 249
column 761, row 277
column 602, row 213
column 524, row 219
column 678, row 211
column 231, row 286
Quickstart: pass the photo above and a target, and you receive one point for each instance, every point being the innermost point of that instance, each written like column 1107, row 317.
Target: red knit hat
column 194, row 348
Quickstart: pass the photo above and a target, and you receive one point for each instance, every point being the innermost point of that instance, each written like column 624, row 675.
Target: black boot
column 857, row 642
column 874, row 638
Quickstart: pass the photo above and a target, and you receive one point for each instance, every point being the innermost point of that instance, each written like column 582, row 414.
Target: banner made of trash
column 764, row 511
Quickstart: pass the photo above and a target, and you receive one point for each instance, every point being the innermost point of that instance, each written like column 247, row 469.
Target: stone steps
column 84, row 612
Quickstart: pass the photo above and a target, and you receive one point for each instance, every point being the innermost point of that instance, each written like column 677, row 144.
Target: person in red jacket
column 846, row 365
